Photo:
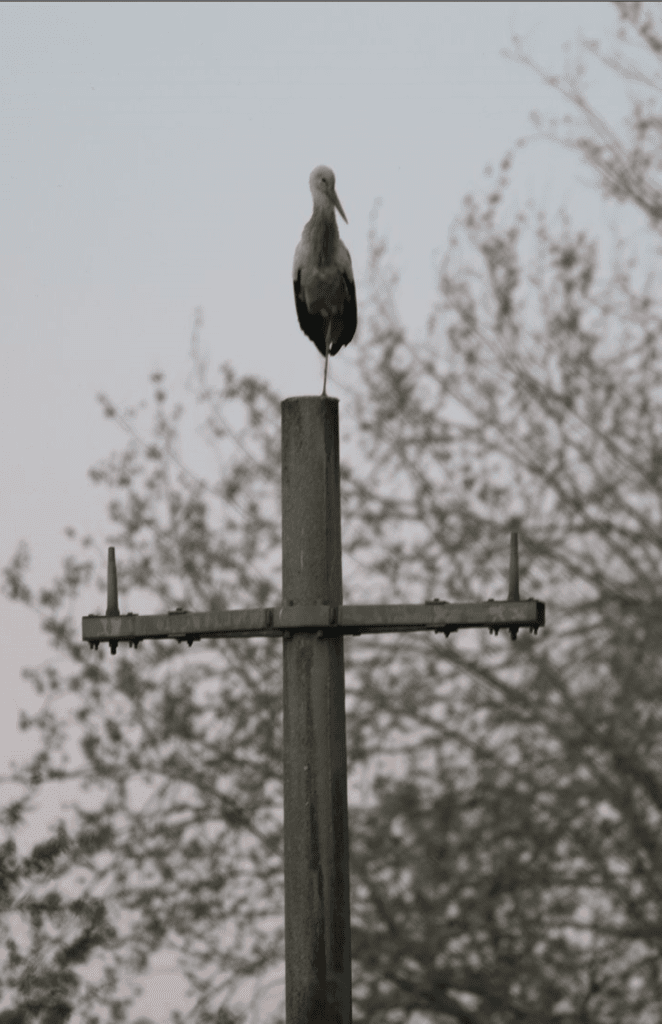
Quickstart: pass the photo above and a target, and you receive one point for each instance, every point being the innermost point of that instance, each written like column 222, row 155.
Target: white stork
column 324, row 290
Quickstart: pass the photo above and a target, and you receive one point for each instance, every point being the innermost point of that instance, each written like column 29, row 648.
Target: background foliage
column 505, row 798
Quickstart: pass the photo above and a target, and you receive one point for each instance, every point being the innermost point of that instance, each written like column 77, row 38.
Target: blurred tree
column 626, row 157
column 505, row 798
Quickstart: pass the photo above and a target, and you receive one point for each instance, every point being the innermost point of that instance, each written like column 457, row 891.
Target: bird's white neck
column 322, row 231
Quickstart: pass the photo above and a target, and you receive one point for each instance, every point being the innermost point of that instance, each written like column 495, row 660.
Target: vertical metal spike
column 513, row 572
column 513, row 577
column 113, row 607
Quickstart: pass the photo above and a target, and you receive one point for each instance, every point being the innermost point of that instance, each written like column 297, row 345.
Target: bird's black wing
column 349, row 316
column 311, row 324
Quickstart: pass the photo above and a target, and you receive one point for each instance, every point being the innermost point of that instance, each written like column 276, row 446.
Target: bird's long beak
column 338, row 206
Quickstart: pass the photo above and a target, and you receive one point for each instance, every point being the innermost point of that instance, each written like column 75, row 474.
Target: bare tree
column 505, row 798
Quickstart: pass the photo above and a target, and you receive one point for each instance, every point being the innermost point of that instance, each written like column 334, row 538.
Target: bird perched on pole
column 324, row 290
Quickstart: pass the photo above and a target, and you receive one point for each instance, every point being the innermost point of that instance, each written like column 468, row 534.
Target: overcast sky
column 155, row 158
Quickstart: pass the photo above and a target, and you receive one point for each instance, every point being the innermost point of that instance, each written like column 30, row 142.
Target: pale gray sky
column 155, row 157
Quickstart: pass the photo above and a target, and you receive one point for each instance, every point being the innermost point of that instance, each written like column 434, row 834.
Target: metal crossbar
column 348, row 619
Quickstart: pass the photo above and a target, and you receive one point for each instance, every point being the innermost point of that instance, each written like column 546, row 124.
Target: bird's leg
column 326, row 361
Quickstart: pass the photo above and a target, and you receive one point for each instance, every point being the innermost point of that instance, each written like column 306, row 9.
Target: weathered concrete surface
column 317, row 934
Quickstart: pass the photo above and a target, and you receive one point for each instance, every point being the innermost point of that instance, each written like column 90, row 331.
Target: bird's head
column 323, row 188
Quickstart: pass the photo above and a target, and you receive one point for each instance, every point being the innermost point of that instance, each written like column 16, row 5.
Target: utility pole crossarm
column 437, row 616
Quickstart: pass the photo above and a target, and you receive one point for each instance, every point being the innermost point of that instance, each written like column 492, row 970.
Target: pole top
column 310, row 398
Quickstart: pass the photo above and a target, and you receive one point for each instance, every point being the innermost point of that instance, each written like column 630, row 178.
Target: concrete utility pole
column 312, row 622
